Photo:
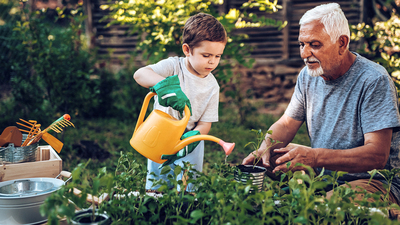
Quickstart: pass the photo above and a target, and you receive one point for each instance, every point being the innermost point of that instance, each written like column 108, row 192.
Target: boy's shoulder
column 169, row 60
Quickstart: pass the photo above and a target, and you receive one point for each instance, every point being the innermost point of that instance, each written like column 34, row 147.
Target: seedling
column 260, row 137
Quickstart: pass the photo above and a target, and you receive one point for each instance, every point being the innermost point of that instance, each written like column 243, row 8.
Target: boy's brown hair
column 203, row 27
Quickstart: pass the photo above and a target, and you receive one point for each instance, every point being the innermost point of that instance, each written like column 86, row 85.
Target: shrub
column 50, row 71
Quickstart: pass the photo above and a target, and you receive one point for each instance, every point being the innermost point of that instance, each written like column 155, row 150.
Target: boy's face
column 204, row 58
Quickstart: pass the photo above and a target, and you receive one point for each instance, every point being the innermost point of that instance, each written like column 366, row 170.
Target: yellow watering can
column 161, row 134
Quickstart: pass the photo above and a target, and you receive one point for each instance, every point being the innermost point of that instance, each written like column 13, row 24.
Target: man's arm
column 284, row 131
column 372, row 155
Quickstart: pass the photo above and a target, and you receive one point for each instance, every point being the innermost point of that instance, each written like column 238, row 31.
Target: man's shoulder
column 368, row 66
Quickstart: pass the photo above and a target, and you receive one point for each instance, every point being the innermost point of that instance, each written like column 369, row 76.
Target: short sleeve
column 165, row 67
column 297, row 107
column 379, row 107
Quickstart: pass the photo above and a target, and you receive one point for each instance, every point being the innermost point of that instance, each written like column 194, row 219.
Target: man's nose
column 305, row 52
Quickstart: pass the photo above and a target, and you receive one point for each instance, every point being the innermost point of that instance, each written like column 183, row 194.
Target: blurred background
column 77, row 57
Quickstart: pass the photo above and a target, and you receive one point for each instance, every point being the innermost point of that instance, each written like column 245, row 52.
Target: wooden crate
column 47, row 164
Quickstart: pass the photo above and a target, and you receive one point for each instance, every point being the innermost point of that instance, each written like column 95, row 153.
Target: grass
column 102, row 140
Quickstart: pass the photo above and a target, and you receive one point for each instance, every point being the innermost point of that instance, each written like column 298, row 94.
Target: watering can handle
column 146, row 104
column 144, row 109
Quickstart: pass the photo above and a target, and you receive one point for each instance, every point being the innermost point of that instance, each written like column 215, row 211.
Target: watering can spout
column 228, row 147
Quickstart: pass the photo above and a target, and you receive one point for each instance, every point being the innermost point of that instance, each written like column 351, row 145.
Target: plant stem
column 260, row 157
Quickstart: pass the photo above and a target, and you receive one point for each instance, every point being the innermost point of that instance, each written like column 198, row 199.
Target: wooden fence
column 270, row 44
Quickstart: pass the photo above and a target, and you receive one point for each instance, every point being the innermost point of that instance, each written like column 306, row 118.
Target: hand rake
column 50, row 139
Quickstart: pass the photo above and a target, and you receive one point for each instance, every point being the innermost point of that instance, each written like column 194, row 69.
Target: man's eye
column 206, row 56
column 301, row 45
column 315, row 45
column 218, row 56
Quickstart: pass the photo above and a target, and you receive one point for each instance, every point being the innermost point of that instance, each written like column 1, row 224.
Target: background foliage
column 48, row 71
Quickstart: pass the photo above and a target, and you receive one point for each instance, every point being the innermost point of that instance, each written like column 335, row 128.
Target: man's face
column 320, row 55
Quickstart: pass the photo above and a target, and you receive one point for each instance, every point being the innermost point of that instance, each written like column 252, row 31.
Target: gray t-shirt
column 203, row 93
column 339, row 112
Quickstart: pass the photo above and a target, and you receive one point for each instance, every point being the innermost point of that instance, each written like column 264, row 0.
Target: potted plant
column 76, row 200
column 253, row 172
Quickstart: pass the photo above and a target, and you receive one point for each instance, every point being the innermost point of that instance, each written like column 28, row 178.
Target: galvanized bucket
column 257, row 176
column 11, row 154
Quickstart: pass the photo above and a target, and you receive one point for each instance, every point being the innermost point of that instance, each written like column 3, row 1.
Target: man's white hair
column 332, row 17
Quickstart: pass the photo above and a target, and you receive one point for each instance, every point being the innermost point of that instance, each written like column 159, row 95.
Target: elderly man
column 349, row 105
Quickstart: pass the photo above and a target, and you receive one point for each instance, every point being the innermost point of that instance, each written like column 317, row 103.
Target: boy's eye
column 206, row 56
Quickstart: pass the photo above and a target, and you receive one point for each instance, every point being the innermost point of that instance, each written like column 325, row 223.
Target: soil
column 90, row 149
column 274, row 158
column 250, row 169
column 273, row 165
column 88, row 219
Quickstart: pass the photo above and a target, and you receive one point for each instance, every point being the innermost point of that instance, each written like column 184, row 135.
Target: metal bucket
column 13, row 154
column 24, row 208
column 257, row 177
column 25, row 187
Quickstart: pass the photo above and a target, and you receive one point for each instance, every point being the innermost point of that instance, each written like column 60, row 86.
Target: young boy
column 188, row 79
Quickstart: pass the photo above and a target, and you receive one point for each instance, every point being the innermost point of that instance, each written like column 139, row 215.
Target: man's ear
column 343, row 41
column 186, row 49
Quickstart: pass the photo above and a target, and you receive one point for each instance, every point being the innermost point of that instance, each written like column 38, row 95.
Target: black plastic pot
column 85, row 217
column 243, row 173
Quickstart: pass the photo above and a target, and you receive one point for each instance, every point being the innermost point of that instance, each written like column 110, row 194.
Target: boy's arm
column 146, row 77
column 203, row 127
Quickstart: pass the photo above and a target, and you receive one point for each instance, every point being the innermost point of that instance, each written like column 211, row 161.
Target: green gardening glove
column 183, row 152
column 170, row 94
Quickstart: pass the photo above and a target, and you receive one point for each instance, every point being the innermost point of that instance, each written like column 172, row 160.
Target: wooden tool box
column 47, row 164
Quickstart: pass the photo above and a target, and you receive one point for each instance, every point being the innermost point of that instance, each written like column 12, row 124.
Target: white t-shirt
column 203, row 93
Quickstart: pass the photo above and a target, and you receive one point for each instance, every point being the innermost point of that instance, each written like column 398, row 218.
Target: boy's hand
column 170, row 94
column 183, row 152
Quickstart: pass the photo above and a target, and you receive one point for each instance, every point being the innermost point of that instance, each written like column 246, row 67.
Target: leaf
column 197, row 214
column 95, row 186
column 341, row 173
column 177, row 170
column 319, row 185
column 165, row 170
column 300, row 219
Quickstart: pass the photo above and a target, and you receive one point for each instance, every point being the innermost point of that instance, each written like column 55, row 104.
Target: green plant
column 49, row 68
column 260, row 137
column 219, row 199
column 388, row 175
column 64, row 201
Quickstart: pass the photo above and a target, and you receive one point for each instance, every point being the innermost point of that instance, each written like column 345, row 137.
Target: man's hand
column 264, row 161
column 295, row 154
column 170, row 94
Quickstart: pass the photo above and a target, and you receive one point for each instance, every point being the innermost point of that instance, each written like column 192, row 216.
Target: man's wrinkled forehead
column 312, row 31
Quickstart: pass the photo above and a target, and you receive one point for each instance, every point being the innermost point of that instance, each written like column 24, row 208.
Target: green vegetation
column 298, row 198
column 49, row 71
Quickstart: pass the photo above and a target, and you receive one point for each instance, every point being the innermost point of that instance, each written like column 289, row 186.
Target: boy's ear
column 186, row 49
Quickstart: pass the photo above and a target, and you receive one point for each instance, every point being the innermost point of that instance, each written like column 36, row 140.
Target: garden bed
column 220, row 199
